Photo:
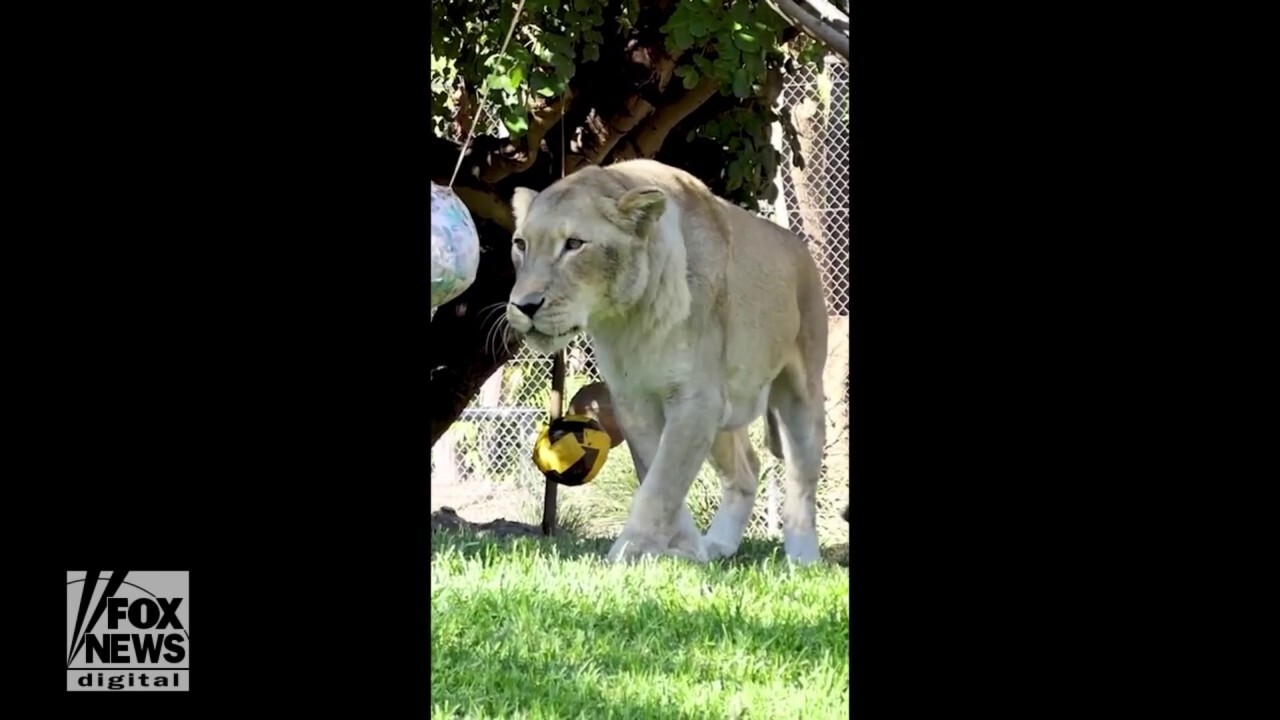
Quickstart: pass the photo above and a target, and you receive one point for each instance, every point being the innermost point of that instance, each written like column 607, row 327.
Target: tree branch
column 648, row 138
column 518, row 156
column 478, row 344
column 487, row 204
column 823, row 21
column 599, row 136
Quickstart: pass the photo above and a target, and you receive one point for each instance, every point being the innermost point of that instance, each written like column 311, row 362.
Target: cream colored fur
column 704, row 317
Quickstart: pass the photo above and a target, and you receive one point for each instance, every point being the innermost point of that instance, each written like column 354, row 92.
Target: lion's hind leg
column 739, row 469
column 797, row 404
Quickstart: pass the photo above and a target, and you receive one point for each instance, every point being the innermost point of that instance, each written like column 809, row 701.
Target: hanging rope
column 556, row 403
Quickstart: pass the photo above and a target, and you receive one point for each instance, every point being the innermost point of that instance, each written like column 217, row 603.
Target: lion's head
column 580, row 250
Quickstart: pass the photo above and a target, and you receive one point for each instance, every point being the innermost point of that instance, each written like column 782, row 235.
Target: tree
column 689, row 82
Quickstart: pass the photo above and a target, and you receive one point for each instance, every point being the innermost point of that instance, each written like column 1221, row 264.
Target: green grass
column 540, row 629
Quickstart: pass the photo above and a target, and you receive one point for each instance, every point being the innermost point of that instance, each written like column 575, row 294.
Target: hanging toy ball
column 455, row 246
column 571, row 450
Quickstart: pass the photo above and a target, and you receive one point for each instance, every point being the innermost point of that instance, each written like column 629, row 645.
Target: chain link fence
column 492, row 442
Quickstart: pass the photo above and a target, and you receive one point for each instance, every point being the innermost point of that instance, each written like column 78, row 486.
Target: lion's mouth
column 549, row 344
column 539, row 334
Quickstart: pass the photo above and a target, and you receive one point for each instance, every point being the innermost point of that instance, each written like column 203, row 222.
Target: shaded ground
column 446, row 518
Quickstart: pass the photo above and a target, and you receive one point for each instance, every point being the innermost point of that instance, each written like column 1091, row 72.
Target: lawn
column 534, row 628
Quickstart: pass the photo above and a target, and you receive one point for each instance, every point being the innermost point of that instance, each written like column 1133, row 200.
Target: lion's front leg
column 660, row 522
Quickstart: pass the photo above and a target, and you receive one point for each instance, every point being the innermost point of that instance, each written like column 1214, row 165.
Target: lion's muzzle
column 529, row 304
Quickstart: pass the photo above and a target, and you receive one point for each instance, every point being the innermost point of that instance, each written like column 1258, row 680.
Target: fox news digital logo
column 127, row 631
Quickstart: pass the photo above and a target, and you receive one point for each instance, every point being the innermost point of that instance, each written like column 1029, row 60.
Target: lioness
column 703, row 315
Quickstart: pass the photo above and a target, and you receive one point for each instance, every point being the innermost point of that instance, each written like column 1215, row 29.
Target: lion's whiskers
column 496, row 335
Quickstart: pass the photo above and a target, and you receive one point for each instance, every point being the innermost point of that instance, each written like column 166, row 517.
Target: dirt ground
column 446, row 518
column 481, row 506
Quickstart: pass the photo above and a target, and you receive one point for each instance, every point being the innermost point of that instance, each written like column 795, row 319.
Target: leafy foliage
column 732, row 43
column 550, row 40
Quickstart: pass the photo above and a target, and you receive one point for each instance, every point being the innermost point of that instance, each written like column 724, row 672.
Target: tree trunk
column 810, row 200
column 469, row 343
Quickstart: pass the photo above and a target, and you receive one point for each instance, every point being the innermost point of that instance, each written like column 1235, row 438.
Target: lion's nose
column 529, row 304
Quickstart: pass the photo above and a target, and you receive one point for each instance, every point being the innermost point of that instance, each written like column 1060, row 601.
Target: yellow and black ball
column 571, row 450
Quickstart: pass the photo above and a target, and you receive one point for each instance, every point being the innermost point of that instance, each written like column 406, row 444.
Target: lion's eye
column 572, row 244
column 519, row 243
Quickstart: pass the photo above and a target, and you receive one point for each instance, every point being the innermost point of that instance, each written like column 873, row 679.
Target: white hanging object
column 455, row 247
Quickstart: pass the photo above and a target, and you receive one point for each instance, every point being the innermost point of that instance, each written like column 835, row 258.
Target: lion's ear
column 520, row 202
column 640, row 208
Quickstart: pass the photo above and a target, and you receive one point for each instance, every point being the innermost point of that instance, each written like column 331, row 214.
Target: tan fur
column 703, row 317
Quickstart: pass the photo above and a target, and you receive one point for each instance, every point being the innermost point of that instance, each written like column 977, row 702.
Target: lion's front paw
column 632, row 545
column 718, row 547
column 723, row 538
column 688, row 544
column 635, row 544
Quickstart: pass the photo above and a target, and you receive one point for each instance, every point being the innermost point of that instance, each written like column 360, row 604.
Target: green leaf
column 747, row 41
column 558, row 44
column 741, row 84
column 516, row 121
column 543, row 52
column 729, row 55
column 691, row 79
column 682, row 37
column 564, row 67
column 769, row 162
column 591, row 53
column 735, row 176
column 544, row 86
